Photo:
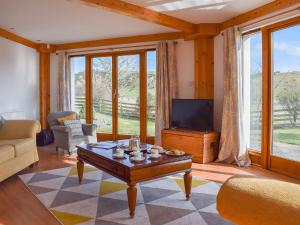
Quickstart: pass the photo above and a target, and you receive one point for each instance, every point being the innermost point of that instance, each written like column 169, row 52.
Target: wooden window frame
column 254, row 155
column 142, row 88
column 264, row 158
column 274, row 163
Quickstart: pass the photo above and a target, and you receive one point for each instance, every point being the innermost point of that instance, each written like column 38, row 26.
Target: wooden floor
column 19, row 206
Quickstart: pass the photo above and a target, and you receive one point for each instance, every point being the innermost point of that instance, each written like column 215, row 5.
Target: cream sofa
column 17, row 146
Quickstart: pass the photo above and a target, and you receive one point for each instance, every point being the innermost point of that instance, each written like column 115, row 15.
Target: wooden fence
column 281, row 118
column 125, row 110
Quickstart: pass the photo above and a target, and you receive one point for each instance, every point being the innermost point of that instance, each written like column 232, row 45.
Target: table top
column 107, row 153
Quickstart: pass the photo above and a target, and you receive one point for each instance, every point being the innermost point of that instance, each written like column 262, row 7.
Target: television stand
column 204, row 146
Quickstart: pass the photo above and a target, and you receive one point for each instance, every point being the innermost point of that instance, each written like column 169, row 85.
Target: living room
column 149, row 112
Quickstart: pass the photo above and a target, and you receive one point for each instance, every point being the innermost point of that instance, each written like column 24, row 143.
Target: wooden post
column 44, row 54
column 204, row 68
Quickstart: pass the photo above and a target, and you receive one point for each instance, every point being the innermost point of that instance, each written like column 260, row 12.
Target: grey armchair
column 62, row 134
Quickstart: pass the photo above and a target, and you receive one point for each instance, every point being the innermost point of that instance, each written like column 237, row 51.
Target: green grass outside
column 126, row 126
column 287, row 135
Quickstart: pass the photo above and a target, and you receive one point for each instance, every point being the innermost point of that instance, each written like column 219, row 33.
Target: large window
column 271, row 91
column 252, row 73
column 286, row 93
column 78, row 86
column 120, row 88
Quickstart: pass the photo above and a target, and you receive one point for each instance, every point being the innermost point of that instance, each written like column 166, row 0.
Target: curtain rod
column 267, row 18
column 111, row 48
column 108, row 49
column 272, row 16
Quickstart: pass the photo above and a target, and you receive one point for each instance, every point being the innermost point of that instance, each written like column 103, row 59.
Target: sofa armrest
column 18, row 129
column 62, row 136
column 89, row 129
column 63, row 129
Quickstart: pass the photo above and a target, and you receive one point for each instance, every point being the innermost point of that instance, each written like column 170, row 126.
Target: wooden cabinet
column 204, row 146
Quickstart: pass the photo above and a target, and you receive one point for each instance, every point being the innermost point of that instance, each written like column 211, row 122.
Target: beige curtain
column 232, row 148
column 64, row 83
column 166, row 86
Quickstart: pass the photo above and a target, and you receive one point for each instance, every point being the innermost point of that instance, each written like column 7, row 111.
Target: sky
column 286, row 50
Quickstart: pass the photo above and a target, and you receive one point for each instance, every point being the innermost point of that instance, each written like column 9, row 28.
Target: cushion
column 75, row 126
column 251, row 201
column 21, row 146
column 2, row 121
column 61, row 120
column 7, row 152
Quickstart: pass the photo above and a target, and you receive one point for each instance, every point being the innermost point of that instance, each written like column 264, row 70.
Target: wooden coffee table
column 133, row 173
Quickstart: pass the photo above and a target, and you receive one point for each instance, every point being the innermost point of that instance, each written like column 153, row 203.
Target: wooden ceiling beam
column 258, row 12
column 16, row 38
column 142, row 13
column 204, row 30
column 121, row 40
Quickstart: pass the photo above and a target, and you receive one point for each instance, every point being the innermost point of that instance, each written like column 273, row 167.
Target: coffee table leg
column 188, row 184
column 80, row 168
column 131, row 195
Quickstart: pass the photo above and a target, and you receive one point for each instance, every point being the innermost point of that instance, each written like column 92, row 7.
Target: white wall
column 19, row 81
column 185, row 68
column 218, row 82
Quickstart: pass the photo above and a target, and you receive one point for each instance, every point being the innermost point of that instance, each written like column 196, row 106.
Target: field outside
column 286, row 114
column 129, row 126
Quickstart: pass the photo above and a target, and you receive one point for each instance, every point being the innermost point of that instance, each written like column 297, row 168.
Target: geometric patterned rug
column 102, row 199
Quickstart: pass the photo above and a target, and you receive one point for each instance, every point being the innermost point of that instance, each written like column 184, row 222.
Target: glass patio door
column 102, row 93
column 115, row 84
column 128, row 94
column 285, row 98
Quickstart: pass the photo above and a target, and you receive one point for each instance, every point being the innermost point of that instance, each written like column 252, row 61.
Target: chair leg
column 56, row 148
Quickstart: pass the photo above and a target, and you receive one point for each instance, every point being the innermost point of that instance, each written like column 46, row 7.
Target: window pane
column 151, row 92
column 129, row 94
column 252, row 71
column 102, row 93
column 286, row 93
column 78, row 94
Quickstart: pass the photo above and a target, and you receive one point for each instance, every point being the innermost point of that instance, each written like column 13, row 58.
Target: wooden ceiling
column 187, row 30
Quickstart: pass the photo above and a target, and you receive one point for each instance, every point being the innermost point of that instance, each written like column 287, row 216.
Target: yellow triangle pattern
column 73, row 171
column 108, row 187
column 68, row 218
column 195, row 183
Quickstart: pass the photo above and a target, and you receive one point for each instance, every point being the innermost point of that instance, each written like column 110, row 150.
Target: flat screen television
column 192, row 114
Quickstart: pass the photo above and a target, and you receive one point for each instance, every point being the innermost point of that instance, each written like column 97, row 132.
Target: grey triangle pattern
column 106, row 176
column 159, row 215
column 66, row 197
column 39, row 190
column 108, row 206
column 200, row 200
column 42, row 177
column 213, row 219
column 73, row 181
column 152, row 194
column 151, row 181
